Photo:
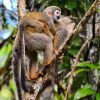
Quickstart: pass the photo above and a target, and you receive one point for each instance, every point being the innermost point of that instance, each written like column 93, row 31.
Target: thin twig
column 21, row 8
column 74, row 67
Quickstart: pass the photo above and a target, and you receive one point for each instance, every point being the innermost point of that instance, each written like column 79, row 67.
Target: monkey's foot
column 36, row 75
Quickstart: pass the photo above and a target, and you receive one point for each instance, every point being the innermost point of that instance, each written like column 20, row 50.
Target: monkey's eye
column 57, row 12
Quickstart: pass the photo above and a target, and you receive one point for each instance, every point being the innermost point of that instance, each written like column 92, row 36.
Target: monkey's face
column 56, row 15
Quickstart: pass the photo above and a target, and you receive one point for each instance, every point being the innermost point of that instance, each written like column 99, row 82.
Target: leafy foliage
column 83, row 92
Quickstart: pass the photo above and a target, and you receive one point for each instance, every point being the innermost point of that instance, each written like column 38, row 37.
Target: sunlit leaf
column 98, row 96
column 83, row 92
column 87, row 64
column 5, row 93
column 79, row 71
column 12, row 85
column 4, row 53
column 59, row 97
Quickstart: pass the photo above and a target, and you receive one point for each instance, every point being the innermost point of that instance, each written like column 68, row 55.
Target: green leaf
column 75, row 46
column 87, row 64
column 71, row 5
column 79, row 71
column 83, row 92
column 39, row 1
column 98, row 96
column 4, row 53
column 76, row 41
column 12, row 85
column 59, row 97
column 73, row 51
column 66, row 63
column 5, row 93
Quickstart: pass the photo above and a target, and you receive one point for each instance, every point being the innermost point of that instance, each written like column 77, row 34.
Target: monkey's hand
column 55, row 52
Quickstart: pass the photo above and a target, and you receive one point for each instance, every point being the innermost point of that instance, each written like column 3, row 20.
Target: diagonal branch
column 21, row 8
column 76, row 31
column 82, row 23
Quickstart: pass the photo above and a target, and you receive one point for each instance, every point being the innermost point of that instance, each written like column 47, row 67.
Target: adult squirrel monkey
column 63, row 27
column 33, row 35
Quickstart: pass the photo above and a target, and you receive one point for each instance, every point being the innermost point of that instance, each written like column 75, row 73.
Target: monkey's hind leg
column 48, row 54
column 48, row 57
column 46, row 46
column 33, row 67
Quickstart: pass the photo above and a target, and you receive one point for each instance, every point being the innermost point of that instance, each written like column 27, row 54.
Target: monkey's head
column 53, row 12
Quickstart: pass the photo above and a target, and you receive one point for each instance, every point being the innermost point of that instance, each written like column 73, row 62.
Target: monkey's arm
column 46, row 29
column 59, row 38
column 65, row 27
column 51, row 26
column 37, row 25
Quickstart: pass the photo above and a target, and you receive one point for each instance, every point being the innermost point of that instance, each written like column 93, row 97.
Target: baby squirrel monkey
column 64, row 28
column 35, row 22
column 32, row 23
column 42, row 23
column 28, row 42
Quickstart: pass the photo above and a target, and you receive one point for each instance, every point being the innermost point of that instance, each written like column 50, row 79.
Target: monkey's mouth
column 58, row 17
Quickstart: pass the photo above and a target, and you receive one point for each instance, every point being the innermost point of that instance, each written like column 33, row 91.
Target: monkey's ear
column 49, row 13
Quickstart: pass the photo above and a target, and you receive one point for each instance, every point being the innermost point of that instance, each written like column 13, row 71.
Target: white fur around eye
column 57, row 12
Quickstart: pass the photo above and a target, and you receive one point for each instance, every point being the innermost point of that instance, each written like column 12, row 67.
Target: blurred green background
column 85, row 87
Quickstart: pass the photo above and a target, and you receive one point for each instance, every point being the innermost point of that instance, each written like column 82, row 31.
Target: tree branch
column 68, row 41
column 70, row 82
column 82, row 23
column 21, row 8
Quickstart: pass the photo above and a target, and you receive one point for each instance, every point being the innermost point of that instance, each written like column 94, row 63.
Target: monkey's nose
column 58, row 17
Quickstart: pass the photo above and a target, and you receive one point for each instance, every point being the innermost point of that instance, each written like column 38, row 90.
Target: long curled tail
column 22, row 55
column 24, row 83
